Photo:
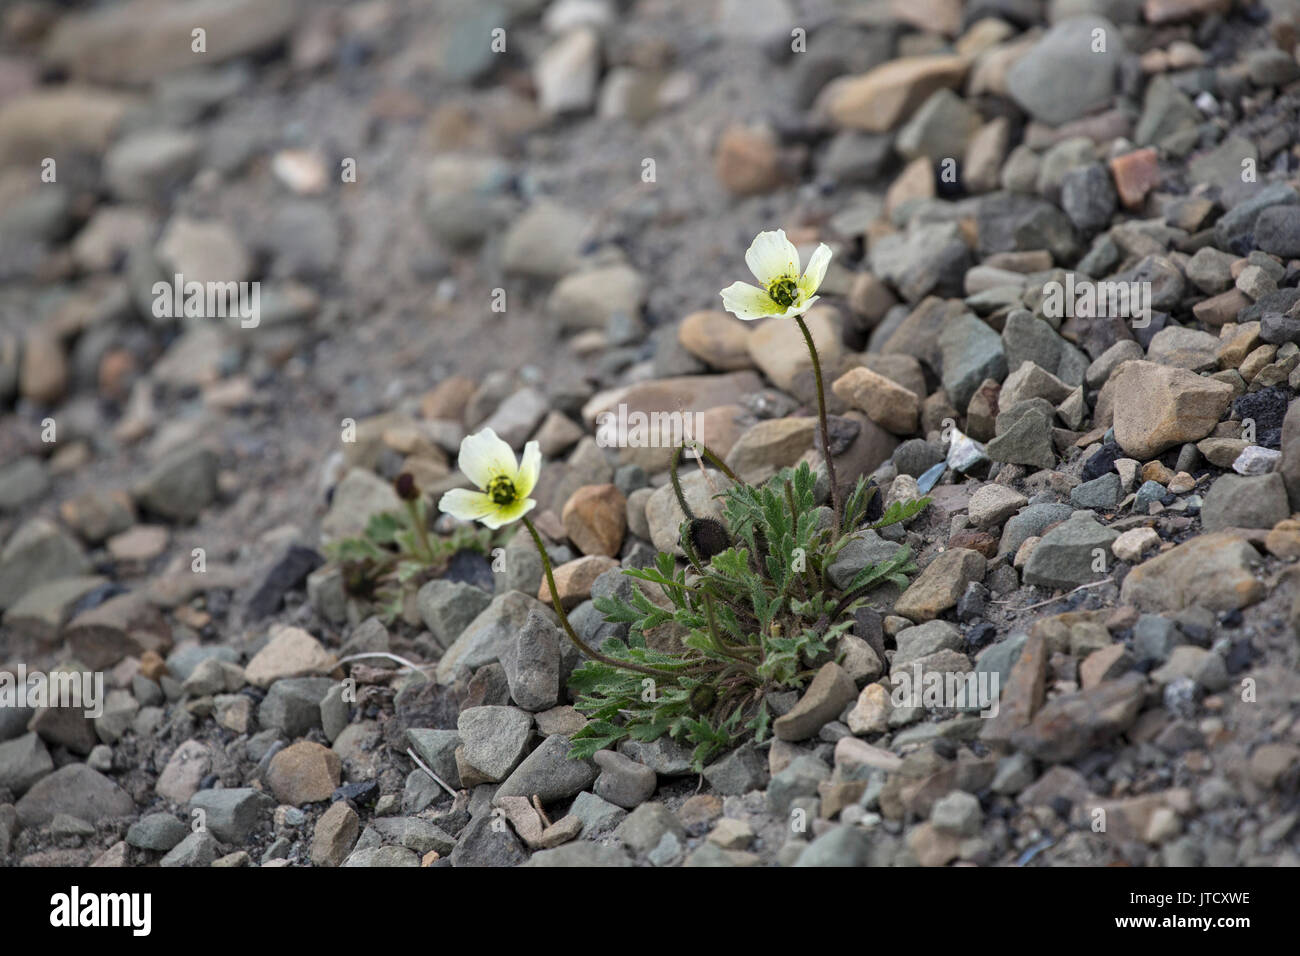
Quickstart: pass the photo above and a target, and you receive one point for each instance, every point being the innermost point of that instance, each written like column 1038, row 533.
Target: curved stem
column 821, row 413
column 568, row 628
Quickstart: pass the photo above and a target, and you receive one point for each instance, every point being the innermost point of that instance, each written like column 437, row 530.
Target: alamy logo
column 947, row 690
column 83, row 689
column 74, row 909
column 637, row 429
column 1084, row 299
column 208, row 300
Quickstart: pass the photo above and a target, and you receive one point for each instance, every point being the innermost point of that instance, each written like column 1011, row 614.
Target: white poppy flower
column 784, row 292
column 505, row 485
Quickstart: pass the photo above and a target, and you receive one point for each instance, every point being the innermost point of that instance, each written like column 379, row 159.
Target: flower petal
column 800, row 307
column 484, row 456
column 746, row 302
column 467, row 505
column 529, row 468
column 816, row 271
column 509, row 513
column 771, row 255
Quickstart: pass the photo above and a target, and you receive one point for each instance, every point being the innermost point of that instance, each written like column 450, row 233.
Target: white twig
column 1059, row 597
column 392, row 657
column 423, row 766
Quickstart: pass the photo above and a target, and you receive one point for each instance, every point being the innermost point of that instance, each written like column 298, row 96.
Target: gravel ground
column 445, row 235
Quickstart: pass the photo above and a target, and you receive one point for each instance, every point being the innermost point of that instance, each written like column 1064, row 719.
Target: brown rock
column 882, row 98
column 448, row 399
column 1104, row 664
column 336, row 833
column 1072, row 724
column 888, row 404
column 1213, row 570
column 304, row 772
column 828, row 694
column 769, row 446
column 716, row 338
column 1164, row 407
column 595, row 519
column 747, row 161
column 291, row 652
column 43, row 371
column 1136, row 174
column 126, row 625
column 940, row 585
column 573, row 579
column 1023, row 696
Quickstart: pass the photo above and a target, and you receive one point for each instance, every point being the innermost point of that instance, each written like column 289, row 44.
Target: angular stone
column 828, row 694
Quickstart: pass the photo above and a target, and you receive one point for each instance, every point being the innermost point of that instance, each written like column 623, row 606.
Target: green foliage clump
column 395, row 555
column 758, row 615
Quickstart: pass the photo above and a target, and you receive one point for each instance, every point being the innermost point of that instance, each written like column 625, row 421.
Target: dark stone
column 362, row 793
column 1102, row 461
column 470, row 567
column 1276, row 328
column 285, row 575
column 1268, row 408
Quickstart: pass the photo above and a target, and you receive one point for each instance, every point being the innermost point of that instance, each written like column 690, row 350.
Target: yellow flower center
column 784, row 291
column 501, row 490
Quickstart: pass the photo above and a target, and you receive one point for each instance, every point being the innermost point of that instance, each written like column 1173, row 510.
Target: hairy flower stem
column 578, row 642
column 675, row 462
column 416, row 514
column 821, row 414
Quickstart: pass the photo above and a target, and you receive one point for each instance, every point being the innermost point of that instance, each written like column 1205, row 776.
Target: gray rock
column 1088, row 197
column 597, row 815
column 414, row 834
column 21, row 482
column 447, row 608
column 197, row 849
column 532, row 664
column 799, row 779
column 664, row 756
column 549, row 773
column 156, row 831
column 739, row 772
column 1063, row 76
column 646, row 826
column 623, row 781
column 1237, row 223
column 1031, row 522
column 928, row 258
column 77, row 791
column 971, row 352
column 23, row 762
column 864, row 548
column 1066, row 555
column 957, row 812
column 999, row 658
column 181, row 485
column 495, row 739
column 1241, row 501
column 385, row 857
column 37, row 553
column 293, row 705
column 839, row 846
column 1277, row 231
column 582, row 853
column 488, row 841
column 437, row 748
column 925, row 639
column 1166, row 111
column 1008, row 222
column 1024, row 435
column 233, row 814
column 490, row 634
column 1100, row 493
